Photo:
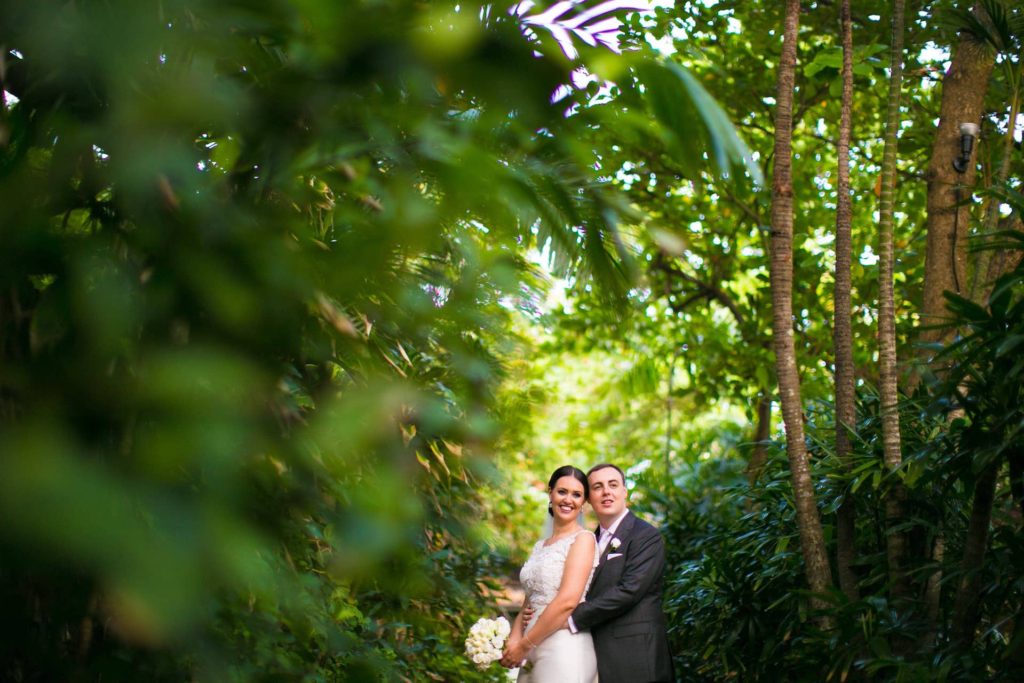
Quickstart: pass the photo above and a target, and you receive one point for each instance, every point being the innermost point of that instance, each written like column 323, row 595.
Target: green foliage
column 700, row 314
column 261, row 273
column 258, row 263
column 720, row 143
column 733, row 578
column 260, row 268
column 736, row 582
column 1001, row 26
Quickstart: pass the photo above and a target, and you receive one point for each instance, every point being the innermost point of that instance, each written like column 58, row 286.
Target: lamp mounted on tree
column 968, row 133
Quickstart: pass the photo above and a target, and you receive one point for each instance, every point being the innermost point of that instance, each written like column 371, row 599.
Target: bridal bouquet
column 486, row 639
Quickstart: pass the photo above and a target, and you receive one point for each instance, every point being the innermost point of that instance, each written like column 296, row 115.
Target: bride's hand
column 515, row 653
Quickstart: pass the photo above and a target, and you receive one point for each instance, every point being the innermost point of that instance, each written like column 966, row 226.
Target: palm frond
column 994, row 22
column 678, row 101
column 582, row 20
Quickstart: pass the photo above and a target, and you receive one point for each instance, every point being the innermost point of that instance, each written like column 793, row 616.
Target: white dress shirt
column 608, row 533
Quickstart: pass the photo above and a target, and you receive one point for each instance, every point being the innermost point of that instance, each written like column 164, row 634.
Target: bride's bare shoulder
column 585, row 537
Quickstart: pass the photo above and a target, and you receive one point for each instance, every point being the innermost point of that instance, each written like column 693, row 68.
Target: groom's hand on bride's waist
column 527, row 616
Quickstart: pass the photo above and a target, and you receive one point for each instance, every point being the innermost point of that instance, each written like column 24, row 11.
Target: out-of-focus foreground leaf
column 256, row 261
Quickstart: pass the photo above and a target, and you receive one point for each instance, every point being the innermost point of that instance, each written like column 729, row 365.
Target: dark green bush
column 255, row 268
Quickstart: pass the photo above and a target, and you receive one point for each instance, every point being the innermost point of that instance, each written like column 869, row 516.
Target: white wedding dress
column 562, row 657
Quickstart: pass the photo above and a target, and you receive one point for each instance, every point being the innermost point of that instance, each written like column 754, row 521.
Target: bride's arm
column 514, row 639
column 578, row 566
column 517, row 625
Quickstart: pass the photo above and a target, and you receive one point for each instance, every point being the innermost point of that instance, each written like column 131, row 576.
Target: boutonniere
column 614, row 544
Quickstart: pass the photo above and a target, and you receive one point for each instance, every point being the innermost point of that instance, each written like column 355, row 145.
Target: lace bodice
column 542, row 573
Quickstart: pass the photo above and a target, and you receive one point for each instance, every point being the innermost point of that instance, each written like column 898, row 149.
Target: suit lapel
column 621, row 533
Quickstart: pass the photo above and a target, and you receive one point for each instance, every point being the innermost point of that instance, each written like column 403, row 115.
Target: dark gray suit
column 623, row 608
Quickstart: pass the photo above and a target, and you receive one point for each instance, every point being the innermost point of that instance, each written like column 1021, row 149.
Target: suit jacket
column 623, row 610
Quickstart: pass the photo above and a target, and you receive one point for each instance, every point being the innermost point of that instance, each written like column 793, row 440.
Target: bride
column 556, row 577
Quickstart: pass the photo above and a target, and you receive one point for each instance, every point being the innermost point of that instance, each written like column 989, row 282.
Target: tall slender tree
column 894, row 501
column 964, row 88
column 965, row 606
column 812, row 540
column 963, row 95
column 846, row 413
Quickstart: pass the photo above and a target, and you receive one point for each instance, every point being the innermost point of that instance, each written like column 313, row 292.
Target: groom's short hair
column 605, row 465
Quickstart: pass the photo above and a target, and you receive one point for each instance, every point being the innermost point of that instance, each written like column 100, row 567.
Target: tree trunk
column 963, row 95
column 1016, row 460
column 846, row 412
column 933, row 591
column 14, row 344
column 812, row 540
column 965, row 608
column 982, row 278
column 759, row 456
column 1016, row 655
column 896, row 543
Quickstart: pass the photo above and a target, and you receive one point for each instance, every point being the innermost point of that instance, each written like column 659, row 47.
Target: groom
column 623, row 606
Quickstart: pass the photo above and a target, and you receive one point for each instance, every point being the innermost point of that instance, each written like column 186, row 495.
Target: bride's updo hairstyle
column 568, row 471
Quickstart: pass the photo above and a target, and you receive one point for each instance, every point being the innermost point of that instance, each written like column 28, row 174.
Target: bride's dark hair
column 568, row 471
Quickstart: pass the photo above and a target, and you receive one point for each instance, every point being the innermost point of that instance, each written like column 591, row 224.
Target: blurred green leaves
column 258, row 267
column 678, row 100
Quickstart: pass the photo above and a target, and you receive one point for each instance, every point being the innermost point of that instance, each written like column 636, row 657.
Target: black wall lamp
column 968, row 132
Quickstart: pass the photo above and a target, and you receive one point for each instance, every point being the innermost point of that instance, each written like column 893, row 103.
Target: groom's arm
column 645, row 563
